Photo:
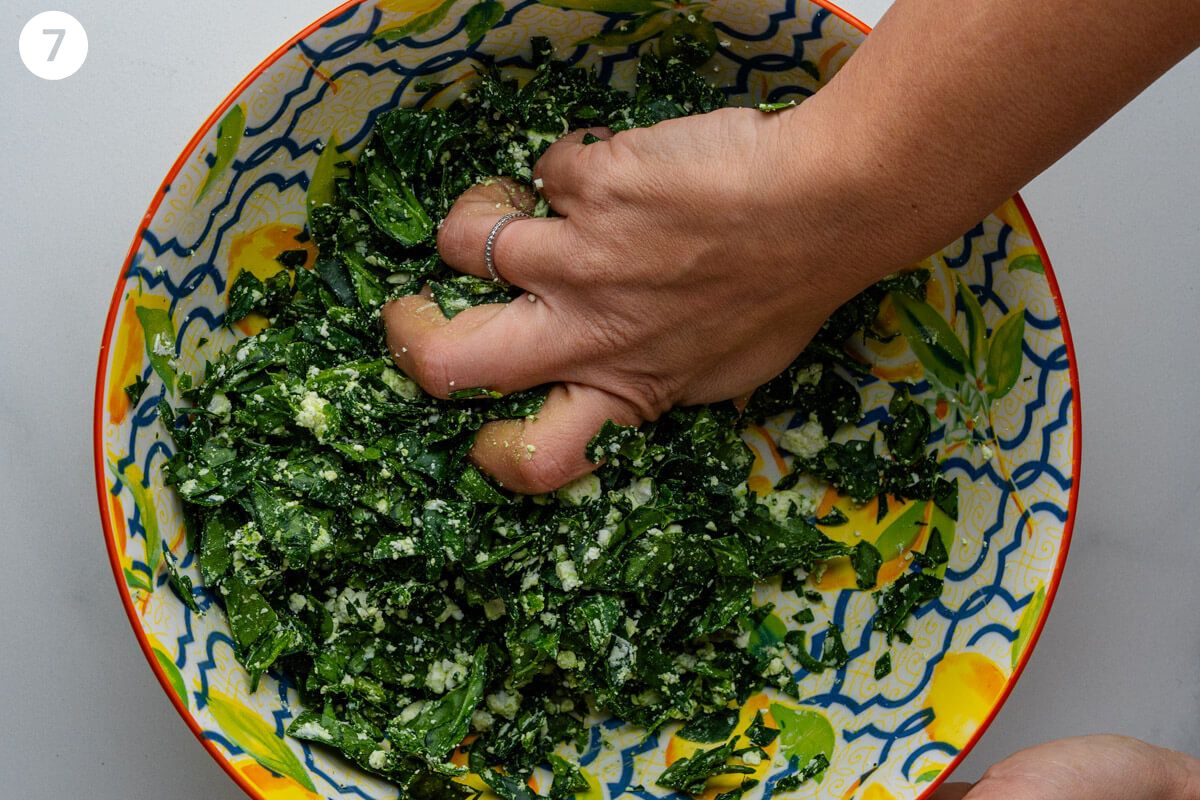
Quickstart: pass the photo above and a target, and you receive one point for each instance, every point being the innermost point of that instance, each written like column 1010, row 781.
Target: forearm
column 951, row 106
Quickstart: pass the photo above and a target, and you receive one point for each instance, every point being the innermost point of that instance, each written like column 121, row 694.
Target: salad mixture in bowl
column 826, row 593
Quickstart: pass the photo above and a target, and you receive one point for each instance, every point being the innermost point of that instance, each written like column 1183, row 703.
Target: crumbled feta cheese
column 313, row 730
column 412, row 711
column 580, row 491
column 494, row 608
column 312, row 414
column 604, row 536
column 321, row 541
column 566, row 659
column 220, row 405
column 781, row 503
column 504, row 703
column 567, row 575
column 403, row 546
column 481, row 720
column 445, row 676
column 805, row 440
column 297, row 602
column 639, row 492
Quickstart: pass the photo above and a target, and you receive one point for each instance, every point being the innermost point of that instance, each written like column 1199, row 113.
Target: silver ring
column 489, row 247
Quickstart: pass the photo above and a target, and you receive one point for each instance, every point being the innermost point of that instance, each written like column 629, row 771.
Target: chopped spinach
column 692, row 774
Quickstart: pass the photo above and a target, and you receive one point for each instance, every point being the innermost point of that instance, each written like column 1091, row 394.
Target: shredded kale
column 135, row 390
column 883, row 666
column 691, row 774
column 412, row 600
column 817, row 765
column 866, row 560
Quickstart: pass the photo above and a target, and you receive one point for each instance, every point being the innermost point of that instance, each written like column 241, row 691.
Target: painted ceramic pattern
column 241, row 194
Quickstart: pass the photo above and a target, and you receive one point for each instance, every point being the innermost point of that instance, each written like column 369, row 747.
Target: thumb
column 544, row 452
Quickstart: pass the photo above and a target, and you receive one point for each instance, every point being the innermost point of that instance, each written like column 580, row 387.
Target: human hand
column 1085, row 768
column 690, row 264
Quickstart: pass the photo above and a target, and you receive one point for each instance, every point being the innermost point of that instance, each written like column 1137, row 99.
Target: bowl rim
column 102, row 490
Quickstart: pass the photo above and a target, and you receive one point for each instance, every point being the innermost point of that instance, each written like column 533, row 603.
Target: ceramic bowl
column 1007, row 410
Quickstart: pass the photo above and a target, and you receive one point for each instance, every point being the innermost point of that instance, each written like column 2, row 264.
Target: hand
column 1085, row 768
column 687, row 266
column 694, row 259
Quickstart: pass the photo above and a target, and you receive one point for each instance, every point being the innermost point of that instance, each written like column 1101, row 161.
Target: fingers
column 559, row 173
column 502, row 347
column 533, row 456
column 524, row 251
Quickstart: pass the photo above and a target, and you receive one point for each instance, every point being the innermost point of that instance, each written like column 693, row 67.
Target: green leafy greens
column 411, row 599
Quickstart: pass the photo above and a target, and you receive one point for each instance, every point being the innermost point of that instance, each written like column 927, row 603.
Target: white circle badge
column 53, row 45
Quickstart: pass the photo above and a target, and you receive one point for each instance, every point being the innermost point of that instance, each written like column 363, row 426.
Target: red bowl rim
column 102, row 492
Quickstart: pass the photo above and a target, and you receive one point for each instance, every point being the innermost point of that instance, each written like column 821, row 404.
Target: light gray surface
column 83, row 716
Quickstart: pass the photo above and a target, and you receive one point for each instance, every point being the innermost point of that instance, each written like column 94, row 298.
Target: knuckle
column 650, row 396
column 453, row 240
column 541, row 471
column 431, row 366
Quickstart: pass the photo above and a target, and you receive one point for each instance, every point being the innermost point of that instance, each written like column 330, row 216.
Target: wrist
column 876, row 197
column 1187, row 778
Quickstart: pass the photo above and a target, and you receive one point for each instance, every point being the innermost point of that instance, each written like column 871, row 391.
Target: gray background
column 82, row 714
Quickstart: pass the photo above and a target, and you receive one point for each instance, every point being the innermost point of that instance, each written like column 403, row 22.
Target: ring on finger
column 489, row 247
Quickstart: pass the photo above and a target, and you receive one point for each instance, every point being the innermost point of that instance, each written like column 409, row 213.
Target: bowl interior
column 238, row 197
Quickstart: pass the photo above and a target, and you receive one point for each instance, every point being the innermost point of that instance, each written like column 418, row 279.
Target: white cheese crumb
column 220, row 405
column 639, row 492
column 580, row 491
column 398, row 383
column 445, row 676
column 403, row 546
column 312, row 414
column 504, row 703
column 806, row 440
column 494, row 608
column 567, row 575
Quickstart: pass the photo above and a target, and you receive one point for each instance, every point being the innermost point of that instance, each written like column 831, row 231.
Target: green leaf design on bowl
column 229, row 136
column 258, row 739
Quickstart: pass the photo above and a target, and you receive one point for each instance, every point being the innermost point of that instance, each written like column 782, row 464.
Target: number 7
column 61, row 34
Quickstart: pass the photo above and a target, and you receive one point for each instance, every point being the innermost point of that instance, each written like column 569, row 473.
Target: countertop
column 82, row 714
